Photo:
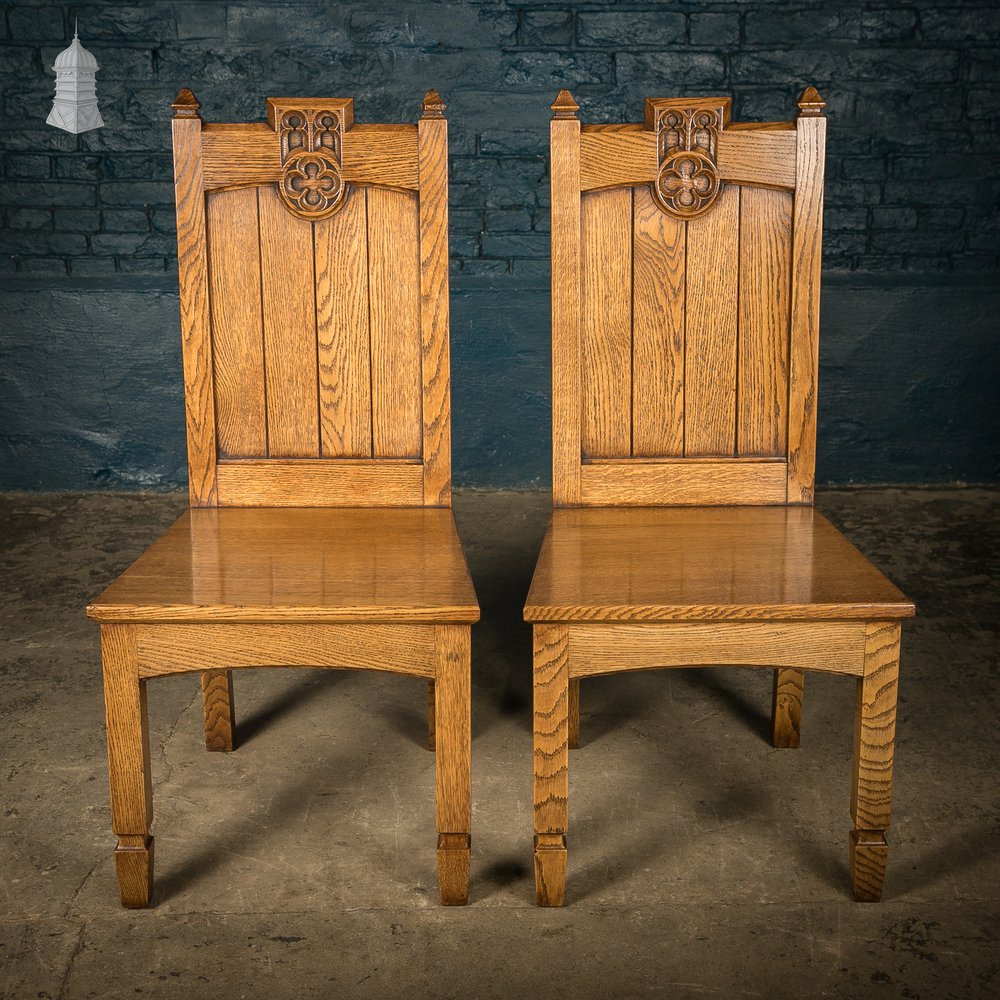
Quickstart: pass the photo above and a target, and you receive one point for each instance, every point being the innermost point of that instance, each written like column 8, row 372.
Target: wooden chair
column 313, row 268
column 685, row 319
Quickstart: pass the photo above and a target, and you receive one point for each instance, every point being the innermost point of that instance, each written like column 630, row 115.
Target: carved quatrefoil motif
column 687, row 182
column 311, row 184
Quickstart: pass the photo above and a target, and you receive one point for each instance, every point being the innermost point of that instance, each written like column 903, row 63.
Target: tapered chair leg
column 574, row 713
column 128, row 764
column 220, row 718
column 786, row 707
column 551, row 762
column 874, row 731
column 453, row 735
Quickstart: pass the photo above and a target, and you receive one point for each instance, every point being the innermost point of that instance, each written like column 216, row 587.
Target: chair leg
column 551, row 762
column 220, row 719
column 786, row 707
column 128, row 764
column 453, row 735
column 574, row 713
column 431, row 720
column 874, row 731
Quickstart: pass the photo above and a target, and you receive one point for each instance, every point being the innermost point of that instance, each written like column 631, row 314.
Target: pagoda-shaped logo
column 75, row 106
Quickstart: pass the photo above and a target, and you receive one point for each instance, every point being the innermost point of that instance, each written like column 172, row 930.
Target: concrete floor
column 702, row 862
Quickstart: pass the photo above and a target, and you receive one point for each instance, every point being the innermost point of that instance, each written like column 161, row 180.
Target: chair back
column 686, row 256
column 313, row 270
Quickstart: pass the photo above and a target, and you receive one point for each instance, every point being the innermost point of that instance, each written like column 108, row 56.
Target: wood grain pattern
column 566, row 380
column 177, row 649
column 705, row 563
column 682, row 481
column 625, row 155
column 196, row 326
column 434, row 309
column 657, row 329
column 765, row 287
column 874, row 734
column 874, row 728
column 237, row 331
column 127, row 732
column 431, row 717
column 298, row 565
column 760, row 157
column 606, row 323
column 710, row 329
column 134, row 870
column 551, row 707
column 394, row 293
column 320, row 483
column 786, row 708
column 289, row 297
column 574, row 713
column 551, row 761
column 602, row 648
column 217, row 699
column 452, row 763
column 248, row 154
column 343, row 350
column 129, row 775
column 807, row 254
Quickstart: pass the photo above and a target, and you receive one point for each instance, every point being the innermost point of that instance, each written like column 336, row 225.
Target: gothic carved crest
column 687, row 139
column 310, row 135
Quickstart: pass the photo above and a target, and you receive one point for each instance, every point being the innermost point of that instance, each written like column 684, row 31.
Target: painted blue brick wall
column 912, row 224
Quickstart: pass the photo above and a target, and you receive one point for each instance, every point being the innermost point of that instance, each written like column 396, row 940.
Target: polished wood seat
column 659, row 564
column 298, row 565
column 686, row 255
column 312, row 259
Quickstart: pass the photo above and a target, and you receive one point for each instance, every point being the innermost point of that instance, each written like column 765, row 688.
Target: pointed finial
column 810, row 103
column 186, row 105
column 564, row 106
column 76, row 28
column 432, row 105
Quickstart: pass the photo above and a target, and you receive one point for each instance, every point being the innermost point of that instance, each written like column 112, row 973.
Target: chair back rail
column 686, row 265
column 313, row 271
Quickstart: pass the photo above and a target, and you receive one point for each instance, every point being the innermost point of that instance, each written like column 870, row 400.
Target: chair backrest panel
column 322, row 348
column 679, row 343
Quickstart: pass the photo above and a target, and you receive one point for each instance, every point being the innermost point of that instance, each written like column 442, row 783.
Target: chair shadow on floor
column 289, row 798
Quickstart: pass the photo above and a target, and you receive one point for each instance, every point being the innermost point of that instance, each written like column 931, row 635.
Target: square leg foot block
column 134, row 868
column 454, row 856
column 550, row 868
column 869, row 856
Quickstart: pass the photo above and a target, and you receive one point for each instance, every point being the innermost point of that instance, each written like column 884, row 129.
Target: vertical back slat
column 394, row 294
column 432, row 142
column 237, row 336
column 807, row 255
column 657, row 330
column 606, row 327
column 711, row 318
column 289, row 297
column 196, row 324
column 343, row 349
column 765, row 252
column 564, row 138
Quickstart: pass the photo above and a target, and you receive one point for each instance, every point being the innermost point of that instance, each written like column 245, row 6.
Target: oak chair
column 313, row 270
column 685, row 320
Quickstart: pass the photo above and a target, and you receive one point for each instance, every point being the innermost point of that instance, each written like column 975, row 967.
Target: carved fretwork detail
column 310, row 133
column 687, row 139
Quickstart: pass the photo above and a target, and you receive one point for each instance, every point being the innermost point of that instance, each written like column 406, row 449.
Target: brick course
column 912, row 91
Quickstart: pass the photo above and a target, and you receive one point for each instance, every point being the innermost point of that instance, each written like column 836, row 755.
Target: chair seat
column 704, row 563
column 298, row 565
